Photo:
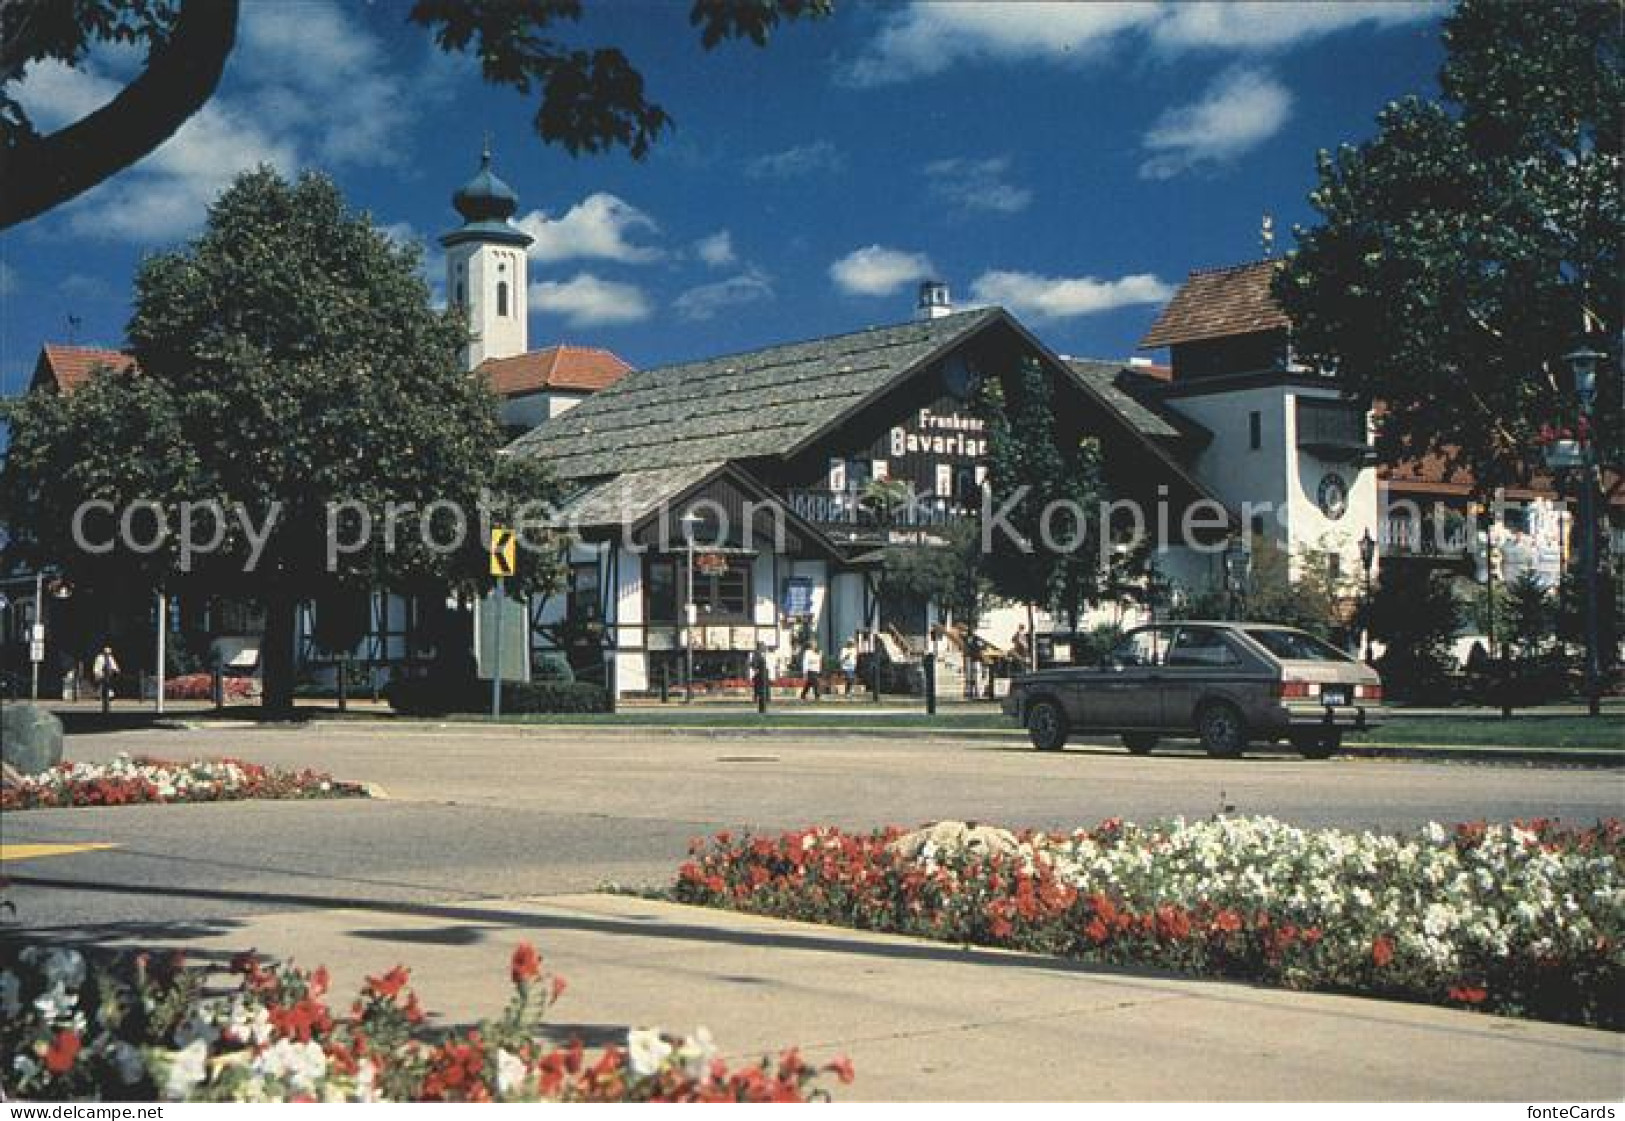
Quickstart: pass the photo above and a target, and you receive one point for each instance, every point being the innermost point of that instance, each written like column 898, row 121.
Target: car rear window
column 1295, row 646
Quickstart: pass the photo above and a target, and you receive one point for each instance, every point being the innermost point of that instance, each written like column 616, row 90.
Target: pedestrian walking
column 102, row 670
column 761, row 683
column 849, row 664
column 811, row 662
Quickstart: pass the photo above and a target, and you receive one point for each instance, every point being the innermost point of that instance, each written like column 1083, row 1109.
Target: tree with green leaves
column 1043, row 541
column 1416, row 617
column 291, row 374
column 1475, row 240
column 589, row 99
column 944, row 567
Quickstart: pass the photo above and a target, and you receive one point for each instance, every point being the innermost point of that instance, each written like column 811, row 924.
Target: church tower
column 485, row 266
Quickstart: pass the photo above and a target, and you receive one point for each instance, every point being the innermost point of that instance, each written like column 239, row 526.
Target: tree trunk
column 276, row 655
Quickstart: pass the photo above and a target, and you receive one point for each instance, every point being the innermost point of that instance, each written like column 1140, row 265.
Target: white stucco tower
column 485, row 266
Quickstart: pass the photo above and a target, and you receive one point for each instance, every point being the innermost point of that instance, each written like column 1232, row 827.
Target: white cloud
column 1262, row 25
column 707, row 300
column 599, row 227
column 716, row 250
column 309, row 86
column 1236, row 114
column 925, row 39
column 972, row 184
column 1045, row 297
column 589, row 301
column 817, row 157
column 878, row 271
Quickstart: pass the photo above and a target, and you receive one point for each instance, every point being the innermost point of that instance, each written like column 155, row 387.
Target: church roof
column 1220, row 303
column 65, row 367
column 579, row 369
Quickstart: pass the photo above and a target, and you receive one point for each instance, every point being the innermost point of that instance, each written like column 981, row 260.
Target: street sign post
column 503, row 550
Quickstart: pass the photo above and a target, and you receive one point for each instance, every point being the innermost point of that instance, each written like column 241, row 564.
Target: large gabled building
column 773, row 452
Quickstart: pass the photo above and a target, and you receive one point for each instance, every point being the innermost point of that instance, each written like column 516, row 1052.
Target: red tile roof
column 581, row 369
column 1219, row 303
column 67, row 367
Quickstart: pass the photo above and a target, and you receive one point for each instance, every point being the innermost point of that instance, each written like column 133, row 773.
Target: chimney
column 934, row 302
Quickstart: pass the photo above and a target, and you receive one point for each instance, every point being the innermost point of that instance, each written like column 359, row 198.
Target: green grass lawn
column 1527, row 730
column 1532, row 730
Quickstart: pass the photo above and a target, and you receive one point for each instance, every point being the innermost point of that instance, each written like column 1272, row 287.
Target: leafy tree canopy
column 588, row 99
column 1474, row 241
column 288, row 363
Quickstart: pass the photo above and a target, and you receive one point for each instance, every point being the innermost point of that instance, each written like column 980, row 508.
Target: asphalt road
column 478, row 813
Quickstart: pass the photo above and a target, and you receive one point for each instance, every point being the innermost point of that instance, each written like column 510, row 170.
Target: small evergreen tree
column 1416, row 616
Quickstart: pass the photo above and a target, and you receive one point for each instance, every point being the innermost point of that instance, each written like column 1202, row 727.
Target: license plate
column 1333, row 697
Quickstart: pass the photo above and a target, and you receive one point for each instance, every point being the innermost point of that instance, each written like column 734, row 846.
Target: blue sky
column 1069, row 161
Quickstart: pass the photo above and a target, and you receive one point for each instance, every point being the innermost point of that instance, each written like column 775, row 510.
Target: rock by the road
column 30, row 738
column 956, row 838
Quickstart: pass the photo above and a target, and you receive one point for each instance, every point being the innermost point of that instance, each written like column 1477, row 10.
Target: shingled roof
column 67, row 367
column 573, row 369
column 1104, row 377
column 1219, row 303
column 741, row 406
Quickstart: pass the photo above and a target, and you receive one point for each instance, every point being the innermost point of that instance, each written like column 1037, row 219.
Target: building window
column 459, row 299
column 723, row 594
column 1258, row 525
column 1255, row 430
column 585, row 605
column 502, row 298
column 660, row 585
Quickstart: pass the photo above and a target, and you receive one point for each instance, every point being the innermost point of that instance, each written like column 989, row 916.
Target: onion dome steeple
column 486, row 204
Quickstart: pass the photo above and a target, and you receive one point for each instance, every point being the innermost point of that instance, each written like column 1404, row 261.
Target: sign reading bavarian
column 934, row 432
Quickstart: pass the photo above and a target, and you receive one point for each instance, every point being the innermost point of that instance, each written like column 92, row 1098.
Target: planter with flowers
column 143, row 1028
column 1522, row 919
column 127, row 781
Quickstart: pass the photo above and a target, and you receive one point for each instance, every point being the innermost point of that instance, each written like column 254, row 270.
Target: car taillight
column 1287, row 690
column 1368, row 692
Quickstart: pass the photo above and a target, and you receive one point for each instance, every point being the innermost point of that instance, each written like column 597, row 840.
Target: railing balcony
column 848, row 511
column 1423, row 537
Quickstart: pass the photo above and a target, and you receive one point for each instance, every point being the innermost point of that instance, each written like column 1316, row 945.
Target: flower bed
column 127, row 781
column 200, row 687
column 141, row 1030
column 1525, row 920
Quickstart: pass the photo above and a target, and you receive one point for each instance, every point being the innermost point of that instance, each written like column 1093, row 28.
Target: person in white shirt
column 811, row 663
column 103, row 669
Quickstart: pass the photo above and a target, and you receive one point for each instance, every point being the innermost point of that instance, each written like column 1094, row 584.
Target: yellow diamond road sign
column 503, row 550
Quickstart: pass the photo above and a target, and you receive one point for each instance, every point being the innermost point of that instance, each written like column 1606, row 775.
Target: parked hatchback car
column 1228, row 684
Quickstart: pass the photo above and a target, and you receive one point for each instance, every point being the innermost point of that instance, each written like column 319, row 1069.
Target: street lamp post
column 690, row 611
column 1368, row 556
column 36, row 637
column 1583, row 364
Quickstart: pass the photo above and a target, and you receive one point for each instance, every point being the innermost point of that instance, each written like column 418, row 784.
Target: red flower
column 1382, row 951
column 842, row 1069
column 390, row 984
column 1469, row 994
column 527, row 964
column 59, row 1056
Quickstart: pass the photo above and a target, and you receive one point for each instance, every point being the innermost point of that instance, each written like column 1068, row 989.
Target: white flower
column 302, row 1065
column 511, row 1072
column 56, row 1004
column 646, row 1051
column 696, row 1053
column 186, row 1069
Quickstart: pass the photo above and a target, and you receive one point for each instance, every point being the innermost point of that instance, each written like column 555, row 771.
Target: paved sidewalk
column 926, row 1021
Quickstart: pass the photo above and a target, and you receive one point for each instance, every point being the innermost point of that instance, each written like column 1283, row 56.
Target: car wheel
column 1140, row 743
column 1046, row 725
column 1321, row 745
column 1222, row 729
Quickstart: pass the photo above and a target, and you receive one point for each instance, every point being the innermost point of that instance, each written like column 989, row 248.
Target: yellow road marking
column 32, row 852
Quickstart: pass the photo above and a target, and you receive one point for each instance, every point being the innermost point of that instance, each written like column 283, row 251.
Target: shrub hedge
column 428, row 696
